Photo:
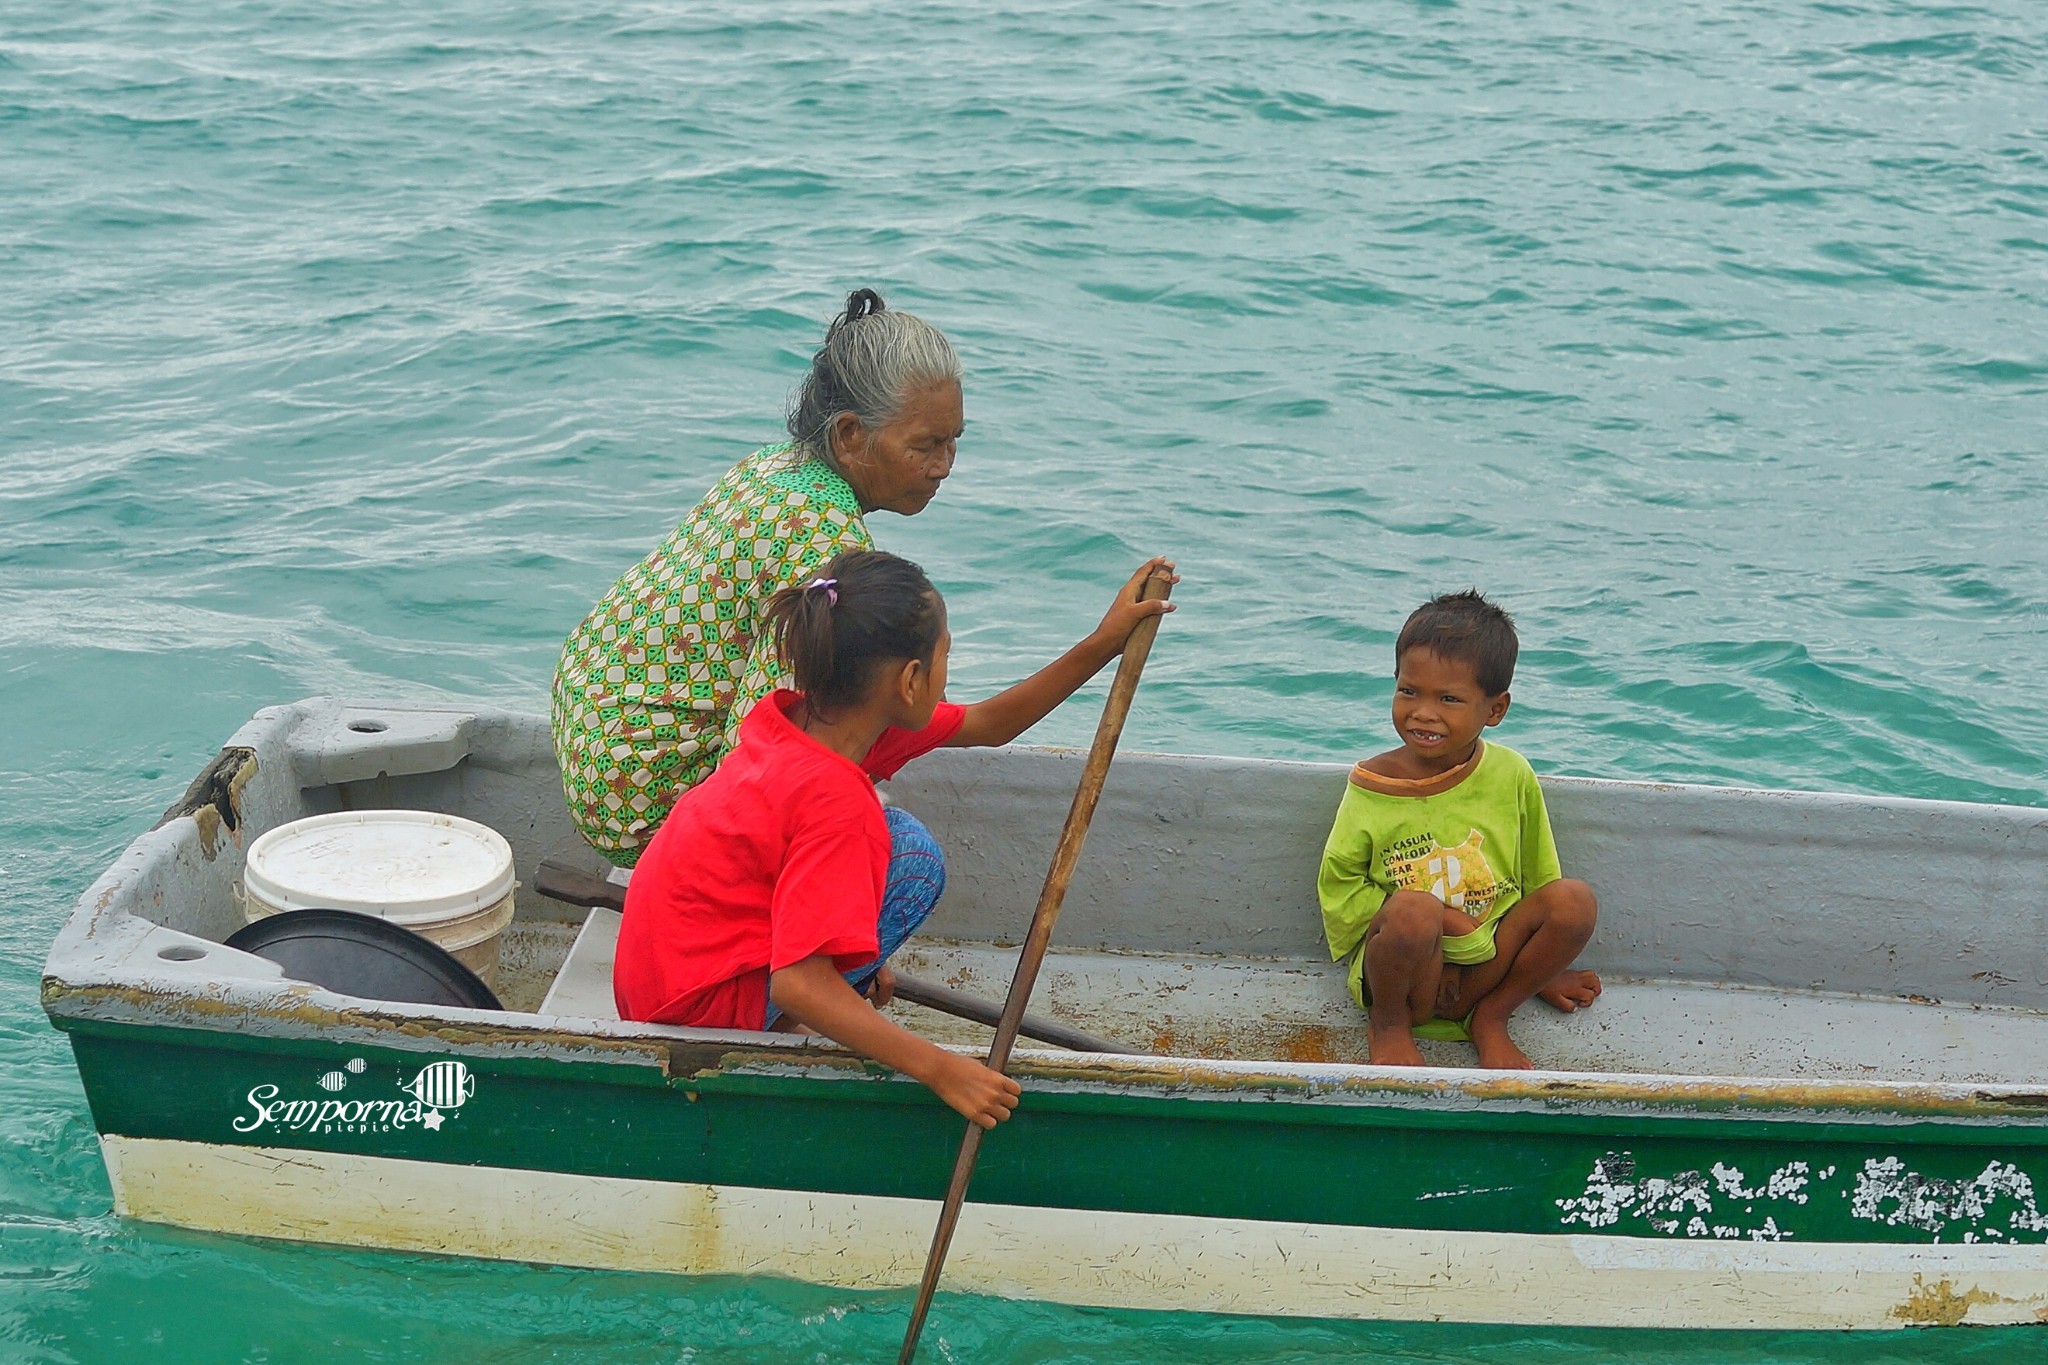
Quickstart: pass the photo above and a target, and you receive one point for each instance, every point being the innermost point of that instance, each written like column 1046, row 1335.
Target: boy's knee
column 1410, row 916
column 1573, row 904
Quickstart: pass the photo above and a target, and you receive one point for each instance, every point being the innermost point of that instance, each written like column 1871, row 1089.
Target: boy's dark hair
column 863, row 609
column 1466, row 627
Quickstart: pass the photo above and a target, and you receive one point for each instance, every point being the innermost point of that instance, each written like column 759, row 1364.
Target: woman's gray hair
column 872, row 360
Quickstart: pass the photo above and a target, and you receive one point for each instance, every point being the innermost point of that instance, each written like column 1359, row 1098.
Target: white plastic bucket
column 438, row 875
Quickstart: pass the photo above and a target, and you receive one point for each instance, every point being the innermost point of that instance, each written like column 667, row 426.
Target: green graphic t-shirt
column 1478, row 846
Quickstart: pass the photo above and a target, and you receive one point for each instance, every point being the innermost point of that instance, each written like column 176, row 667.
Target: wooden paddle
column 1064, row 859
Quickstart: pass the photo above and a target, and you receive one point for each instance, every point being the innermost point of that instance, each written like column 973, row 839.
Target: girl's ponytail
column 864, row 609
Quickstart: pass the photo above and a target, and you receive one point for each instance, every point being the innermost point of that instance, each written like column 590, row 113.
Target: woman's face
column 901, row 465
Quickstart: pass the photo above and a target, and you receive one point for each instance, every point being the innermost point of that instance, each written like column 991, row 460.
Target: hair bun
column 863, row 303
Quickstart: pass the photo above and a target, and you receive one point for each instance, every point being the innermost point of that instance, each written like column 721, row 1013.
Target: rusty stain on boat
column 1939, row 1305
column 1309, row 1043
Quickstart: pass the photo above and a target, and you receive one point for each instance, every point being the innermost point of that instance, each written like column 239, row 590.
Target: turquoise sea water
column 356, row 348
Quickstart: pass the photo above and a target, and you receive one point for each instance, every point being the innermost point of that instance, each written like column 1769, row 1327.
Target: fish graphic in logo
column 442, row 1085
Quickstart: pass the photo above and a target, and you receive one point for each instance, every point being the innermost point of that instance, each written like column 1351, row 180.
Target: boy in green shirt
column 1440, row 880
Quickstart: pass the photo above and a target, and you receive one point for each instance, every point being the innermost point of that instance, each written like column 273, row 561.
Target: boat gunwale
column 301, row 1015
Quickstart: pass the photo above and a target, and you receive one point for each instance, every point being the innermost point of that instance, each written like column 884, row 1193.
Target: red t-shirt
column 779, row 855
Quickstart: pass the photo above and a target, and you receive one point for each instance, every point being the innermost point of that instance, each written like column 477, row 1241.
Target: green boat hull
column 1341, row 1170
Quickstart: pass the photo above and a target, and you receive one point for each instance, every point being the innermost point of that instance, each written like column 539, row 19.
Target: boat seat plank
column 583, row 988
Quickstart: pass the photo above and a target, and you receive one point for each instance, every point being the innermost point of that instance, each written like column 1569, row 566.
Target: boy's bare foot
column 1572, row 990
column 1392, row 1047
column 1497, row 1051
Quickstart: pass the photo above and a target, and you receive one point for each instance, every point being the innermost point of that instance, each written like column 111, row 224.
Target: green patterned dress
column 651, row 688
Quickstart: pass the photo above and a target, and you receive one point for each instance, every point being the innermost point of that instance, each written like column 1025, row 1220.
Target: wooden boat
column 1815, row 1094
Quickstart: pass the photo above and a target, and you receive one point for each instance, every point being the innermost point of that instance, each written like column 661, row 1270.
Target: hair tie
column 831, row 587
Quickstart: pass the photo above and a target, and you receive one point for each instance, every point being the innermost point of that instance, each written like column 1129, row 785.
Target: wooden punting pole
column 1064, row 859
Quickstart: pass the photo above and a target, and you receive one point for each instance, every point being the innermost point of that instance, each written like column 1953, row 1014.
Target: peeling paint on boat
column 1690, row 1202
column 1888, row 1192
column 1885, row 1191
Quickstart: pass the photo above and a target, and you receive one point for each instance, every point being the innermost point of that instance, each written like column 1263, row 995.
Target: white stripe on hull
column 1076, row 1256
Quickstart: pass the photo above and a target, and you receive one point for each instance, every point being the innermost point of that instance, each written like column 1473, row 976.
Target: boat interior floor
column 1298, row 1011
column 1302, row 1011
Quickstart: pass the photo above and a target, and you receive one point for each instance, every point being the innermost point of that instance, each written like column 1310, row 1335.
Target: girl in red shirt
column 774, row 892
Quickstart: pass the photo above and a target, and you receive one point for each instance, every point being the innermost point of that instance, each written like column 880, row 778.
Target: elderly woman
column 651, row 687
